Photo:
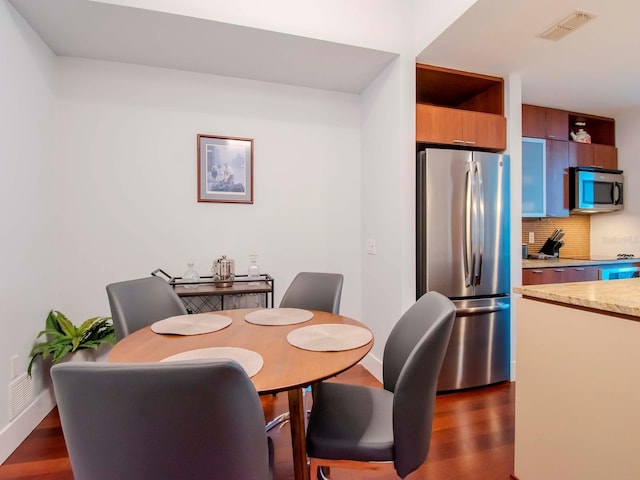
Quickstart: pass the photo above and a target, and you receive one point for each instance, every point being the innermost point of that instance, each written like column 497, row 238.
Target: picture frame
column 225, row 169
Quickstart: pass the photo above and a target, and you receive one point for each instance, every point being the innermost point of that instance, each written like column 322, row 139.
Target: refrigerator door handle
column 468, row 242
column 479, row 247
column 485, row 309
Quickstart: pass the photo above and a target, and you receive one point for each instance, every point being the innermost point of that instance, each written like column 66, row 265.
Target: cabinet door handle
column 458, row 141
column 559, row 270
column 579, row 269
column 536, row 271
column 617, row 187
column 551, row 136
column 469, row 142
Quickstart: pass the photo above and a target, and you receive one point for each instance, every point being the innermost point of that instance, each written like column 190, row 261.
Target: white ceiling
column 91, row 29
column 595, row 69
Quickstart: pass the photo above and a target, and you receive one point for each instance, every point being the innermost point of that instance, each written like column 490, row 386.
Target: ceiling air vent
column 567, row 25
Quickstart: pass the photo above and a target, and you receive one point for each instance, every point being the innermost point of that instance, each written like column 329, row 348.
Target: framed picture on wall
column 225, row 169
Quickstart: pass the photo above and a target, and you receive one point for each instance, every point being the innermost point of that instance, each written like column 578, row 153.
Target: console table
column 206, row 296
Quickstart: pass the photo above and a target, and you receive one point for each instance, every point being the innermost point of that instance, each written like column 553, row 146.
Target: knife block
column 551, row 248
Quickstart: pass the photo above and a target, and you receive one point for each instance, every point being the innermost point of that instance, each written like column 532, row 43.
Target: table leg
column 298, row 441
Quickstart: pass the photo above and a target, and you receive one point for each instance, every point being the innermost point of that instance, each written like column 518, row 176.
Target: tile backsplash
column 577, row 234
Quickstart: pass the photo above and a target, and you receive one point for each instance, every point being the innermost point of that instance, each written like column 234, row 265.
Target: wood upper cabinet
column 557, row 178
column 451, row 126
column 545, row 178
column 461, row 109
column 487, row 130
column 593, row 155
column 601, row 152
column 543, row 122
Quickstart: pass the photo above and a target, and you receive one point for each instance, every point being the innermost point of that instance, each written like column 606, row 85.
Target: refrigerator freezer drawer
column 478, row 352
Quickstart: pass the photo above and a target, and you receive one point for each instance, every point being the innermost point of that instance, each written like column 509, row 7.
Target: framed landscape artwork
column 225, row 169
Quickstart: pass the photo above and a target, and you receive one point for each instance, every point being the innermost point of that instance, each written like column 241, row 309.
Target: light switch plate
column 371, row 247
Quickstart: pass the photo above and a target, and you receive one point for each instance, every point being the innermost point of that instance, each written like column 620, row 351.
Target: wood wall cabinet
column 593, row 155
column 601, row 152
column 601, row 129
column 544, row 122
column 534, row 174
column 460, row 109
column 545, row 178
column 555, row 127
column 465, row 128
column 557, row 178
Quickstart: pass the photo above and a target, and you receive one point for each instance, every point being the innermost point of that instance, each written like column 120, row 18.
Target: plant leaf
column 66, row 326
column 87, row 324
column 51, row 323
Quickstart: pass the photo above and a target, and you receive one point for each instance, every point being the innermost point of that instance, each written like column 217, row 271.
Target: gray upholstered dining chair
column 311, row 291
column 138, row 303
column 314, row 291
column 351, row 424
column 170, row 421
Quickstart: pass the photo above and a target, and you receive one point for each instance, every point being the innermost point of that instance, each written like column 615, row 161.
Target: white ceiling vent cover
column 567, row 25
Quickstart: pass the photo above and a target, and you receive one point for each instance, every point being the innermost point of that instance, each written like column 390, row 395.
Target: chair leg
column 282, row 418
column 321, row 466
column 321, row 472
column 324, row 473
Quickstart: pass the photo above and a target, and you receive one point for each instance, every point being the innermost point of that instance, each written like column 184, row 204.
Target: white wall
column 619, row 232
column 125, row 150
column 513, row 112
column 384, row 215
column 107, row 183
column 27, row 240
column 430, row 20
column 388, row 200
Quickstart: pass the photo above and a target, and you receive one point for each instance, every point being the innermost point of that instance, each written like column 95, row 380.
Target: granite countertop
column 571, row 262
column 614, row 296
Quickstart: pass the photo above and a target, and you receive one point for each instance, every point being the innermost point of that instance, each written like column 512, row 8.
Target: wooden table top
column 285, row 367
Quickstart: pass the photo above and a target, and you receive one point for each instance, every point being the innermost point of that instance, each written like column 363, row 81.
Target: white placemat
column 278, row 316
column 249, row 360
column 329, row 337
column 195, row 324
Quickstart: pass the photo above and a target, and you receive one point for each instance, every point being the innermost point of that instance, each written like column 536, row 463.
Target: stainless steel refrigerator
column 462, row 242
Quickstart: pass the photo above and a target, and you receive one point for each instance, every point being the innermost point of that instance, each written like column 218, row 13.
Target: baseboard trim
column 373, row 365
column 17, row 430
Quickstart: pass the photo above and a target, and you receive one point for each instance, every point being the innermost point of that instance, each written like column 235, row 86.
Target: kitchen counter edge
column 614, row 296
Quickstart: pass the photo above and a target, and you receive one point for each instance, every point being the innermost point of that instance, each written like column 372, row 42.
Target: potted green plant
column 64, row 338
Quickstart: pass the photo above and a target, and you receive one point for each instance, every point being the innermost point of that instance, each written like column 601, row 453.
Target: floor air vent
column 20, row 395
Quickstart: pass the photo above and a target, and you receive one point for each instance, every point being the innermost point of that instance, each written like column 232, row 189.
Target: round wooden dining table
column 286, row 368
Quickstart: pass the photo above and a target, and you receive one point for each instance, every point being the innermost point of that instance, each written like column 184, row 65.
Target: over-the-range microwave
column 595, row 190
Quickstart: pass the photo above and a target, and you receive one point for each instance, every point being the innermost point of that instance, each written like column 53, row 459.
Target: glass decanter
column 191, row 277
column 253, row 272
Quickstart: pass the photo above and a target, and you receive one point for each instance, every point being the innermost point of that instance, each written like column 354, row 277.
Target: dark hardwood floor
column 472, row 439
